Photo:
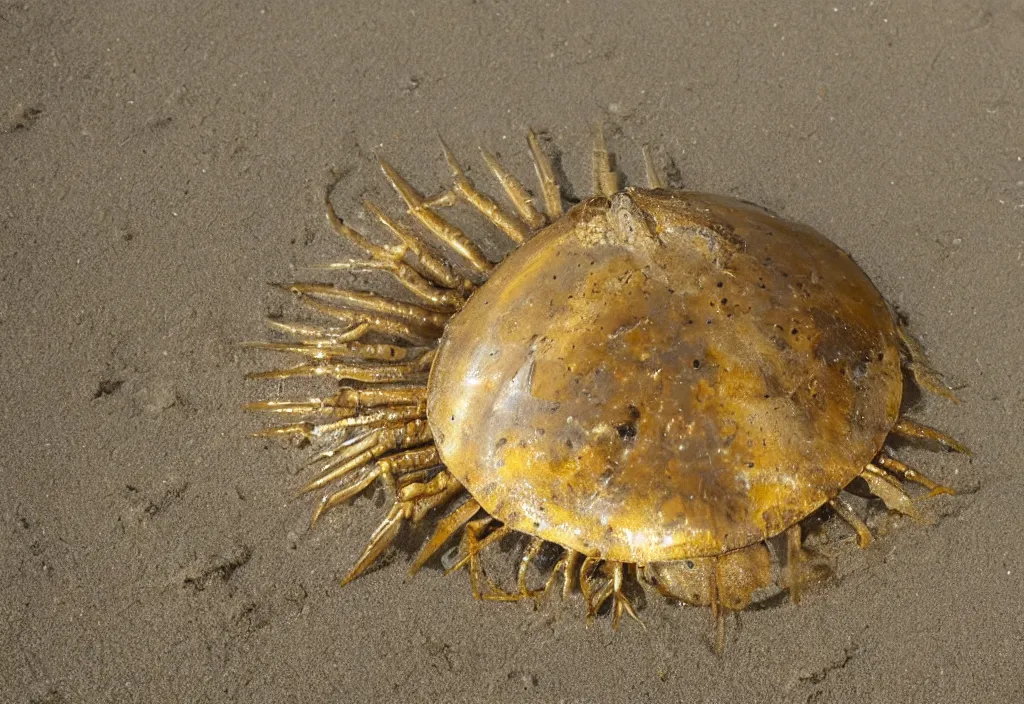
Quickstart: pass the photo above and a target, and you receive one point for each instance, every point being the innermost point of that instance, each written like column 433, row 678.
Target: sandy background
column 161, row 161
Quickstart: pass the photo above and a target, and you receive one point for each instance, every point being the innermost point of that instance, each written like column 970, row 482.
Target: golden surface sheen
column 665, row 375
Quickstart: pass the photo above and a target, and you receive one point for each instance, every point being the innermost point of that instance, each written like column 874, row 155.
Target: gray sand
column 159, row 162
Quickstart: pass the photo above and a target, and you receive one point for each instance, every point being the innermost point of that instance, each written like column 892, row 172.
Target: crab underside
column 373, row 427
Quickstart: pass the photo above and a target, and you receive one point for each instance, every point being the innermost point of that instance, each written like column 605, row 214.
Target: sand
column 161, row 161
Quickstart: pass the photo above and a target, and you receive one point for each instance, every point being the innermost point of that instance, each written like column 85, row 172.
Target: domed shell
column 663, row 375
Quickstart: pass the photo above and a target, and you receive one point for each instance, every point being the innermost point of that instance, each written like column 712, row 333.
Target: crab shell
column 660, row 381
column 663, row 375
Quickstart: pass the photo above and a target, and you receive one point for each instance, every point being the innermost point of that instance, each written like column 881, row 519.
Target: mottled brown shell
column 664, row 375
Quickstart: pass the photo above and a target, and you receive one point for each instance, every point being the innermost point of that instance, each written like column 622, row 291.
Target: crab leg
column 311, row 333
column 587, row 569
column 611, row 588
column 473, row 544
column 885, row 487
column 911, row 474
column 349, row 418
column 327, row 349
column 910, row 429
column 794, row 561
column 350, row 234
column 410, row 463
column 444, row 230
column 717, row 610
column 371, row 373
column 844, row 511
column 391, row 260
column 346, row 403
column 400, row 464
column 653, row 177
column 391, row 308
column 381, row 396
column 516, row 193
column 620, row 600
column 413, row 503
column 434, row 268
column 357, row 483
column 375, row 323
column 446, row 528
column 546, row 176
column 464, row 188
column 606, row 181
column 528, row 556
column 430, row 296
column 368, row 449
column 921, row 369
column 568, row 564
column 380, row 416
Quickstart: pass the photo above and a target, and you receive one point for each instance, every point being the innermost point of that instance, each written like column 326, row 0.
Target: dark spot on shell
column 626, row 431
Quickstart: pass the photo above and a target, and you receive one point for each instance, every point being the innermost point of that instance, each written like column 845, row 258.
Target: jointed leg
column 415, row 332
column 444, row 230
column 911, row 474
column 613, row 588
column 529, row 555
column 391, row 260
column 794, row 561
column 516, row 193
column 446, row 528
column 844, row 511
column 473, row 544
column 370, row 373
column 398, row 310
column 620, row 600
column 653, row 178
column 310, row 333
column 910, row 429
column 368, row 448
column 413, row 503
column 498, row 594
column 885, row 487
column 513, row 229
column 587, row 569
column 567, row 564
column 323, row 349
column 434, row 267
column 546, row 176
column 606, row 182
column 921, row 369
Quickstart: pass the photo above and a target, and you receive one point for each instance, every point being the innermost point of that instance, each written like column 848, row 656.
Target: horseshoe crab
column 657, row 383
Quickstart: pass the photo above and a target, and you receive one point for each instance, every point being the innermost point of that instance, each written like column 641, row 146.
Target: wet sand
column 160, row 162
